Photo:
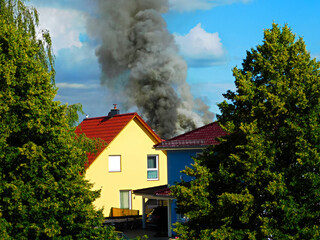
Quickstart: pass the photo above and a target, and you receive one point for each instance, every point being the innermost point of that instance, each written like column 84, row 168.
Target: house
column 180, row 151
column 128, row 161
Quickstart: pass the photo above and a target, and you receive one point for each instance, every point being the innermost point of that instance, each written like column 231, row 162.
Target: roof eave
column 181, row 148
column 152, row 196
column 159, row 140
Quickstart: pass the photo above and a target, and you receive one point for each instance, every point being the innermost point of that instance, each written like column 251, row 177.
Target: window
column 153, row 167
column 125, row 199
column 114, row 163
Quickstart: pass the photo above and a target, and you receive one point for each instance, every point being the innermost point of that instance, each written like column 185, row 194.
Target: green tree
column 72, row 114
column 42, row 193
column 262, row 181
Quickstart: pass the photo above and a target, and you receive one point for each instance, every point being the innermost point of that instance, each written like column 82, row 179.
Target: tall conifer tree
column 263, row 180
column 42, row 193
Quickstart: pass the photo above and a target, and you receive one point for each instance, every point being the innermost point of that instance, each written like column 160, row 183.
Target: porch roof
column 157, row 192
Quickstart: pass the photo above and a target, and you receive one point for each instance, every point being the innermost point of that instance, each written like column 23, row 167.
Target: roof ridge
column 126, row 114
column 94, row 118
column 117, row 115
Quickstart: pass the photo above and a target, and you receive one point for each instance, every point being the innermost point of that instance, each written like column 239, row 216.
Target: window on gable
column 153, row 167
column 115, row 163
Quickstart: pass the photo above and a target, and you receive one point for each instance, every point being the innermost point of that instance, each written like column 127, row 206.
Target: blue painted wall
column 177, row 161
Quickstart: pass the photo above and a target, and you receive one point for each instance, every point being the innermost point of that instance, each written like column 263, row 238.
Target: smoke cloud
column 140, row 62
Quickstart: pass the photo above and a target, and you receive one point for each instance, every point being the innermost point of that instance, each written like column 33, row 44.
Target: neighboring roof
column 107, row 128
column 158, row 192
column 198, row 138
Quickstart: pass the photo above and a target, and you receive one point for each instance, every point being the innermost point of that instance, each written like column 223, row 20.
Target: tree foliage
column 42, row 194
column 262, row 181
column 72, row 114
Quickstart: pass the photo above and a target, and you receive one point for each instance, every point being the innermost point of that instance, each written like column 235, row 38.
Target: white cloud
column 201, row 48
column 64, row 26
column 193, row 5
column 77, row 85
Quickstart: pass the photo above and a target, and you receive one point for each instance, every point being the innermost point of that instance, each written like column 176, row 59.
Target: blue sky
column 212, row 35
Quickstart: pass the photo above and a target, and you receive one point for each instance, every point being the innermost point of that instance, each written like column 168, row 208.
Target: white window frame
column 114, row 163
column 153, row 169
column 129, row 198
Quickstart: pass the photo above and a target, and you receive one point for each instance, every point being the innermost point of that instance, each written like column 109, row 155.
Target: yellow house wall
column 133, row 144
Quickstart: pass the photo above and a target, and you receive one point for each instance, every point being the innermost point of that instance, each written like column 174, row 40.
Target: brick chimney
column 114, row 111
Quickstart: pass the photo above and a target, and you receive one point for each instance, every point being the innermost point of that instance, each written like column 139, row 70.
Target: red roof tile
column 198, row 138
column 107, row 129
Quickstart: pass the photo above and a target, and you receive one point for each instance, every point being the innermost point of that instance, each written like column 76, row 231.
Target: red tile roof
column 107, row 129
column 198, row 138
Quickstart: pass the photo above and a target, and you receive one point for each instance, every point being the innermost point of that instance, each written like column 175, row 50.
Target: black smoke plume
column 140, row 61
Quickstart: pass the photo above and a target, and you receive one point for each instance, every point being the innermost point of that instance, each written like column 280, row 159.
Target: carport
column 158, row 193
